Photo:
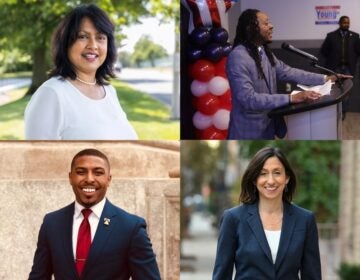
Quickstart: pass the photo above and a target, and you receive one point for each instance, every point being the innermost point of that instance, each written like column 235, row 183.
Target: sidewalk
column 155, row 82
column 199, row 251
column 6, row 85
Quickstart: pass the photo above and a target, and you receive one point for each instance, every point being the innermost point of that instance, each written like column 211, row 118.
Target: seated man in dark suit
column 91, row 238
column 341, row 50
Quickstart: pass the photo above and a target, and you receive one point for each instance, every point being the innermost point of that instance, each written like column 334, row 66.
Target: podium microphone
column 291, row 48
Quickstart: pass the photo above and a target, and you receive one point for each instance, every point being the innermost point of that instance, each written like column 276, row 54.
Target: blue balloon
column 200, row 36
column 227, row 49
column 194, row 54
column 214, row 52
column 219, row 35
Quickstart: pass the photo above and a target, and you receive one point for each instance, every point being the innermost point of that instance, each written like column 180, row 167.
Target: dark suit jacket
column 242, row 242
column 331, row 50
column 119, row 250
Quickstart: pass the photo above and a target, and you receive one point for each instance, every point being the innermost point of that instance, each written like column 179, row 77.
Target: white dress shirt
column 94, row 219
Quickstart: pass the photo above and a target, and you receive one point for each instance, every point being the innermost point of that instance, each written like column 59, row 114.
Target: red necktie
column 83, row 242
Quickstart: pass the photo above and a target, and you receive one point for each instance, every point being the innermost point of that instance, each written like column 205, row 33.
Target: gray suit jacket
column 251, row 99
column 242, row 242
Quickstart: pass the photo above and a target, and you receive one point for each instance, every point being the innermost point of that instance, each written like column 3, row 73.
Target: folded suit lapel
column 106, row 224
column 67, row 239
column 286, row 234
column 257, row 229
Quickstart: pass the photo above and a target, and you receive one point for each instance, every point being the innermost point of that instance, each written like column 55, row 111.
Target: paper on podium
column 322, row 89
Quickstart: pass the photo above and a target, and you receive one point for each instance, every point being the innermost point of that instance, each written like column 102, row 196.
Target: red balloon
column 225, row 100
column 225, row 132
column 220, row 68
column 198, row 133
column 207, row 104
column 202, row 70
column 212, row 133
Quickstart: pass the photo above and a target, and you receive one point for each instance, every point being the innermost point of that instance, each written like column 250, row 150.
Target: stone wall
column 34, row 182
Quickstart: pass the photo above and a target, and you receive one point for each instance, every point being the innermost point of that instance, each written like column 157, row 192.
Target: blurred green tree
column 146, row 49
column 125, row 58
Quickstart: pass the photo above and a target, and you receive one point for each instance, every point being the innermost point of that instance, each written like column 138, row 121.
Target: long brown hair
column 249, row 193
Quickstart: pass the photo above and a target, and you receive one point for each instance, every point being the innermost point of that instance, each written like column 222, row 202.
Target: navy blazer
column 119, row 250
column 242, row 242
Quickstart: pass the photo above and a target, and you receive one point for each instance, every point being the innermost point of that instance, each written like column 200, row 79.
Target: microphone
column 291, row 48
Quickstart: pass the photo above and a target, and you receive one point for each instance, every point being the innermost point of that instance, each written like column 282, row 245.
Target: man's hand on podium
column 304, row 96
column 333, row 78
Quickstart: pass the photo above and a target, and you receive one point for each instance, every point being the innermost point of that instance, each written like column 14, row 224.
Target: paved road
column 199, row 250
column 157, row 83
column 7, row 85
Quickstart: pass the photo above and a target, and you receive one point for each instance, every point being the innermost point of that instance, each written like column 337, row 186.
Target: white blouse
column 59, row 111
column 273, row 239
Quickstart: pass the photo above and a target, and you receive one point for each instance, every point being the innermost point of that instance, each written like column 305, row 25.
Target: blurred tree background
column 27, row 26
column 146, row 49
column 214, row 170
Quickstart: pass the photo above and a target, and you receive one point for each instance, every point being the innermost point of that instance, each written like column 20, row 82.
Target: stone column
column 349, row 218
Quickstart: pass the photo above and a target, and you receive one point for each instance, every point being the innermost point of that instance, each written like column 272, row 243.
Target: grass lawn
column 150, row 118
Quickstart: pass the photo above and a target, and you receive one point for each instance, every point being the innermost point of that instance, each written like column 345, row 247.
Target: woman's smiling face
column 272, row 179
column 89, row 50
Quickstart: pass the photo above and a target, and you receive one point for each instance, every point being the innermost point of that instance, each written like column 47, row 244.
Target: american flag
column 209, row 13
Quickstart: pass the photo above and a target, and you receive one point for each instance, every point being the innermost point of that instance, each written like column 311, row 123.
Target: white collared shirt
column 94, row 219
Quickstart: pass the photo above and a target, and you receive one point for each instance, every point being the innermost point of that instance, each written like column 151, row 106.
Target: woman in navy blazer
column 267, row 237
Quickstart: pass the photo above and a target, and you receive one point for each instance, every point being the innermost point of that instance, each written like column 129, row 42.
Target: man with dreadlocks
column 252, row 70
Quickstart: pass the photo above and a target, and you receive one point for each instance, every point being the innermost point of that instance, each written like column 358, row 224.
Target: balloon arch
column 206, row 56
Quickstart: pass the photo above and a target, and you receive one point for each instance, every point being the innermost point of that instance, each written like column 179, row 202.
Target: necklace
column 87, row 83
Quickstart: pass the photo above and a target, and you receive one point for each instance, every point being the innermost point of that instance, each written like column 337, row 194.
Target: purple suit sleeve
column 288, row 74
column 247, row 88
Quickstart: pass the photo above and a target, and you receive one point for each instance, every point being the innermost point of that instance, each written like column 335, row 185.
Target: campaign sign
column 327, row 14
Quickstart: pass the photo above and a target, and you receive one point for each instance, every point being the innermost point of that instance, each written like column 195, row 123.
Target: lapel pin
column 106, row 221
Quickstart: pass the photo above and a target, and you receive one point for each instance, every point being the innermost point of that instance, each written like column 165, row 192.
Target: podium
column 318, row 120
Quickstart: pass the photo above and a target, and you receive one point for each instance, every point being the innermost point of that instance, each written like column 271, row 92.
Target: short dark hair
column 90, row 152
column 249, row 193
column 342, row 18
column 66, row 34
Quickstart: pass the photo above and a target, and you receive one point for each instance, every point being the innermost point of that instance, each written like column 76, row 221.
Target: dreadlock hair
column 247, row 33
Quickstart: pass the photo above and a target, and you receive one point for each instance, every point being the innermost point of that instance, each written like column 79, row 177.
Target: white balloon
column 199, row 88
column 202, row 121
column 221, row 119
column 218, row 85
